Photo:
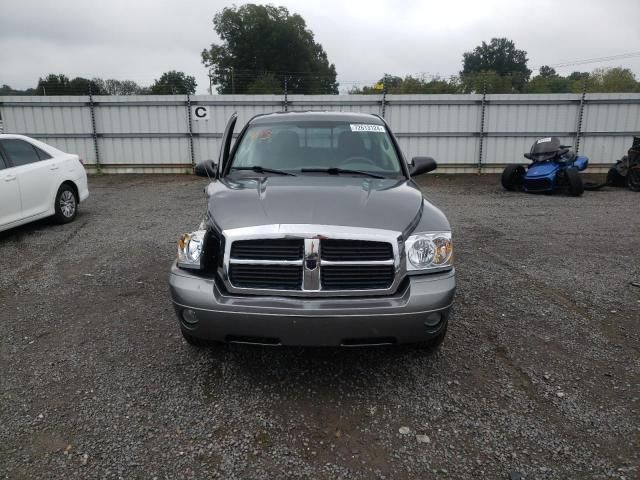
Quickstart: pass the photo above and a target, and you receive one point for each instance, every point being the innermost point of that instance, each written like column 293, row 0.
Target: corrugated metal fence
column 463, row 132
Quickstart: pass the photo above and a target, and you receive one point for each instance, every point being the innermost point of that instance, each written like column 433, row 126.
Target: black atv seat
column 563, row 153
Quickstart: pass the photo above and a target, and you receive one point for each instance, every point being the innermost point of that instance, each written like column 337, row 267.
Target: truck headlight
column 190, row 249
column 429, row 251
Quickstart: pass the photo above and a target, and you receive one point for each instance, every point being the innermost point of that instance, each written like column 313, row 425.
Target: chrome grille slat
column 354, row 250
column 282, row 277
column 363, row 276
column 276, row 249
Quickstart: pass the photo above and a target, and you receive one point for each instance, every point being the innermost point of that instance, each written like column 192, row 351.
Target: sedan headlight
column 190, row 249
column 429, row 251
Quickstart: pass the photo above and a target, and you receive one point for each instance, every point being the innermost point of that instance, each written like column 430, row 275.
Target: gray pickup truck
column 315, row 234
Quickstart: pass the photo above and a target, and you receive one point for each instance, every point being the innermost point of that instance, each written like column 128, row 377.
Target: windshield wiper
column 338, row 171
column 259, row 169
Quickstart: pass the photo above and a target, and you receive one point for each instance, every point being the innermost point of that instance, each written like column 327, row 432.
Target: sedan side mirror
column 206, row 168
column 420, row 165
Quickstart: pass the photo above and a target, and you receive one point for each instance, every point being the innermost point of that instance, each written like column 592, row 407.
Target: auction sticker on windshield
column 363, row 127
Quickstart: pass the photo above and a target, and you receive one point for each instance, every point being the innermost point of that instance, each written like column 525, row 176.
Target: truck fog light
column 189, row 316
column 433, row 319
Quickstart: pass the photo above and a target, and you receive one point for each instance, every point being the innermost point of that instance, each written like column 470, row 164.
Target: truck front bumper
column 416, row 313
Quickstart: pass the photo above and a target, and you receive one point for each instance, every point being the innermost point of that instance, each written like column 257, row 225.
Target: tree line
column 500, row 67
column 601, row 80
column 169, row 83
column 265, row 49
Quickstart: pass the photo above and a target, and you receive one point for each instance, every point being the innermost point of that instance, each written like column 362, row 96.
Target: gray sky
column 140, row 39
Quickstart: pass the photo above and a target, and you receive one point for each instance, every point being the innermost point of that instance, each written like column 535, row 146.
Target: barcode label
column 363, row 127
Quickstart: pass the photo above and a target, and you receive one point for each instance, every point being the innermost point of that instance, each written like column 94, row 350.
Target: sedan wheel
column 66, row 204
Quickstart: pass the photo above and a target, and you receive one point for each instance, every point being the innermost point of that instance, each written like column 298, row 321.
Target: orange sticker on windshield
column 261, row 134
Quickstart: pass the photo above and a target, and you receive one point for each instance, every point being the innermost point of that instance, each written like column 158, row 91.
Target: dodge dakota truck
column 315, row 234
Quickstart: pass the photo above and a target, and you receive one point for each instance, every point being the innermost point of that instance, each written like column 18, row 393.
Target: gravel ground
column 539, row 375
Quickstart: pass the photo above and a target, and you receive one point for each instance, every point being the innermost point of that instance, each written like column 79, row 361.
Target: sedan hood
column 391, row 204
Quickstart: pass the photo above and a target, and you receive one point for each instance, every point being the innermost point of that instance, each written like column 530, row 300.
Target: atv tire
column 614, row 179
column 633, row 179
column 574, row 181
column 512, row 177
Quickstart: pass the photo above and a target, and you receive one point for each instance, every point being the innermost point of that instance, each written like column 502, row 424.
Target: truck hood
column 391, row 204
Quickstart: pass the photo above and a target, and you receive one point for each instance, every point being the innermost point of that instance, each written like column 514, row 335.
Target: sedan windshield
column 327, row 147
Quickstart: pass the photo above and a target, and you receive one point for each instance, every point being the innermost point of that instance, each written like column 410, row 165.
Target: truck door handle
column 10, row 178
column 53, row 167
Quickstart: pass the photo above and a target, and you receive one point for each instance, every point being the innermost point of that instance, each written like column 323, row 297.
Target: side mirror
column 206, row 168
column 420, row 165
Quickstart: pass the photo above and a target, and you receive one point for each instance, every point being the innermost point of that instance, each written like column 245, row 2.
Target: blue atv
column 553, row 167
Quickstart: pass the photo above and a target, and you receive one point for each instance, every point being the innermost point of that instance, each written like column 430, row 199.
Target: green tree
column 409, row 84
column 265, row 84
column 174, row 83
column 547, row 72
column 555, row 84
column 500, row 57
column 548, row 81
column 487, row 81
column 53, row 84
column 82, row 86
column 612, row 80
column 262, row 44
column 112, row 86
column 7, row 90
column 59, row 84
column 578, row 76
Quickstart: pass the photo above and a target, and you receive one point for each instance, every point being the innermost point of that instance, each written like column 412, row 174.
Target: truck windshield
column 313, row 147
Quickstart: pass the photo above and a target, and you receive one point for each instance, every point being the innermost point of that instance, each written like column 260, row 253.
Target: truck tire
column 512, row 177
column 633, row 179
column 66, row 204
column 574, row 181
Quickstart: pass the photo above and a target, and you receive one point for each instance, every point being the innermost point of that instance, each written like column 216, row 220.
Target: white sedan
column 38, row 181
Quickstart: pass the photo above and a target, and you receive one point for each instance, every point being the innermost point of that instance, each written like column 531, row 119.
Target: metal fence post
column 580, row 115
column 482, row 115
column 286, row 99
column 94, row 131
column 384, row 95
column 190, row 125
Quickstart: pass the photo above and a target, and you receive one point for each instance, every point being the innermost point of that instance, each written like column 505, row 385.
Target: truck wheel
column 191, row 340
column 614, row 178
column 66, row 204
column 633, row 179
column 512, row 177
column 575, row 182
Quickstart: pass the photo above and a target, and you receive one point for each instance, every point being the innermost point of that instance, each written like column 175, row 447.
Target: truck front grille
column 311, row 265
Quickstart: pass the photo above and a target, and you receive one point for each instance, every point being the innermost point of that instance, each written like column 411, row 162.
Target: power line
column 620, row 56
